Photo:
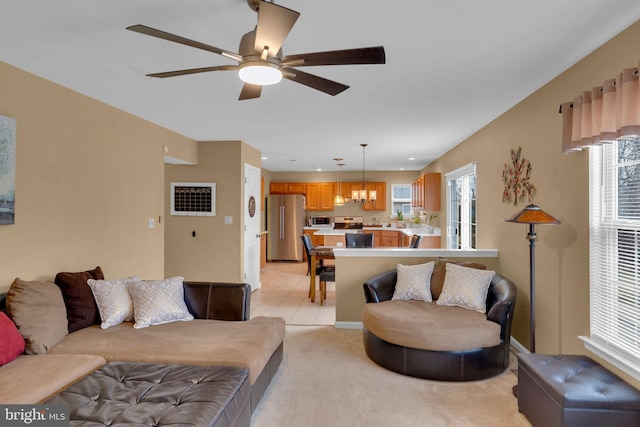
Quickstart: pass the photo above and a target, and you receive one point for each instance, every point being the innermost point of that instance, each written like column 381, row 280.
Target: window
column 461, row 207
column 401, row 199
column 614, row 246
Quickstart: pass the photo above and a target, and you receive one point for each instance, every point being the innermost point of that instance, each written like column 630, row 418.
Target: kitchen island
column 384, row 237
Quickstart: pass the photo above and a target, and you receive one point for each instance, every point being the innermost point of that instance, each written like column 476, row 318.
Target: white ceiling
column 452, row 67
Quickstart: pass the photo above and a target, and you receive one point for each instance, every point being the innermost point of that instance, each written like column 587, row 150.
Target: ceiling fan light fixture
column 260, row 73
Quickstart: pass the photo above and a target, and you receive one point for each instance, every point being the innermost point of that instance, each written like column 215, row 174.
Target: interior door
column 252, row 226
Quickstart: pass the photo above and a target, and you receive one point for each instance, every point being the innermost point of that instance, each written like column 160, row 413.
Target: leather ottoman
column 127, row 393
column 574, row 391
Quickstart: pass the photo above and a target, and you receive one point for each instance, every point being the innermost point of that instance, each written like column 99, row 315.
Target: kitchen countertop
column 405, row 231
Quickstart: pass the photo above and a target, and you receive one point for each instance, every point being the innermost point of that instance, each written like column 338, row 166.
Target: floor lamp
column 532, row 215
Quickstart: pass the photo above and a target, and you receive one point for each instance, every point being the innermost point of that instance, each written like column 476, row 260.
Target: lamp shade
column 532, row 214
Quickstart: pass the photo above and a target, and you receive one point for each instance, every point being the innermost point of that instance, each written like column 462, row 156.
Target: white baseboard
column 348, row 325
column 518, row 347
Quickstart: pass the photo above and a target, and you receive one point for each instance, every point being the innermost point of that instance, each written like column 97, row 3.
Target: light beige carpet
column 326, row 379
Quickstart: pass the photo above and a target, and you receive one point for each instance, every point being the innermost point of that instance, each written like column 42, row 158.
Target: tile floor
column 284, row 290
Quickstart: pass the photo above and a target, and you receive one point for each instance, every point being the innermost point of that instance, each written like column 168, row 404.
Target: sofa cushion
column 11, row 342
column 51, row 373
column 113, row 300
column 414, row 282
column 158, row 301
column 466, row 287
column 38, row 310
column 249, row 344
column 428, row 326
column 82, row 310
column 439, row 272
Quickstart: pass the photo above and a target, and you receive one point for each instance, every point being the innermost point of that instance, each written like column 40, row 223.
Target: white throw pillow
column 465, row 287
column 113, row 299
column 158, row 301
column 414, row 282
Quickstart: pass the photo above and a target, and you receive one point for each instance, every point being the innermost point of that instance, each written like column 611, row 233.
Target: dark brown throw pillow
column 82, row 310
column 439, row 270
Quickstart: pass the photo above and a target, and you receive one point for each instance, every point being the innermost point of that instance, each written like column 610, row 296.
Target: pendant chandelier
column 361, row 196
column 339, row 200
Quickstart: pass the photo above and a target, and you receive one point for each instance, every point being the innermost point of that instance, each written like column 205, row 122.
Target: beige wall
column 216, row 252
column 562, row 253
column 88, row 178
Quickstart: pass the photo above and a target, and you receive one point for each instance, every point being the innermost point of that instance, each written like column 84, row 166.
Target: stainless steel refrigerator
column 285, row 224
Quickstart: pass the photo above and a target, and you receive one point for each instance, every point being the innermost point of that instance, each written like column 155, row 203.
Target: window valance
column 603, row 114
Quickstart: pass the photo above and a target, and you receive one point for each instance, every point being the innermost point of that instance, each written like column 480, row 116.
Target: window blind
column 614, row 186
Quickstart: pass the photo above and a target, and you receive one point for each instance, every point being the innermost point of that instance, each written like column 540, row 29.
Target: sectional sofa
column 70, row 329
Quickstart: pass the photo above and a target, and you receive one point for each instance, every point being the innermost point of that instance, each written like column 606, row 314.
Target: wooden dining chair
column 308, row 245
column 327, row 275
column 359, row 240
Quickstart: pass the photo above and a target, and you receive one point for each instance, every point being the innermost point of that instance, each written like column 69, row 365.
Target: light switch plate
column 228, row 220
column 152, row 223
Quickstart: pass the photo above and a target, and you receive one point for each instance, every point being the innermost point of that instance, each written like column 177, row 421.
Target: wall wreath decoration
column 517, row 179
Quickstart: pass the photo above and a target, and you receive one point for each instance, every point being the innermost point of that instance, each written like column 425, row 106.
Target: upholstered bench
column 158, row 395
column 574, row 391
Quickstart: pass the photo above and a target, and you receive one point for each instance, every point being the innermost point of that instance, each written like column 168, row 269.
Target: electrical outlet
column 228, row 220
column 152, row 223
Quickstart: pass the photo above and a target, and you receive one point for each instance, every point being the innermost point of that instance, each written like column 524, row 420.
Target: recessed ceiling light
column 318, row 170
column 265, row 158
column 412, row 158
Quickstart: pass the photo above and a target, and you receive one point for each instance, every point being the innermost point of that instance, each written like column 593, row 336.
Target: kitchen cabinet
column 377, row 238
column 389, row 239
column 287, row 188
column 425, row 193
column 344, row 188
column 320, row 196
column 430, row 242
column 380, row 203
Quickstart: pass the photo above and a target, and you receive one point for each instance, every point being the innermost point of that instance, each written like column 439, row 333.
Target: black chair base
column 468, row 365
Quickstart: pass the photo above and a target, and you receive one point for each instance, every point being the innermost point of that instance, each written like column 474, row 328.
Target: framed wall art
column 7, row 169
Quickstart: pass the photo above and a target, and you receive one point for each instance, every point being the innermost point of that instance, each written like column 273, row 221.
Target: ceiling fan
column 260, row 59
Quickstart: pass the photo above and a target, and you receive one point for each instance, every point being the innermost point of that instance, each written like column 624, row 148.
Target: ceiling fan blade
column 365, row 55
column 319, row 83
column 143, row 29
column 274, row 24
column 193, row 71
column 250, row 91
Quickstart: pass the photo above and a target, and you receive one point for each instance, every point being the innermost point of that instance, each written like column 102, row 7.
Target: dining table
column 316, row 254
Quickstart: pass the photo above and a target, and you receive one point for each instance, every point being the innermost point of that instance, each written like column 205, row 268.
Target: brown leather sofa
column 222, row 334
column 456, row 365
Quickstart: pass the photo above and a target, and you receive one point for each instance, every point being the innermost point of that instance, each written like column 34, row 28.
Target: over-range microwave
column 320, row 221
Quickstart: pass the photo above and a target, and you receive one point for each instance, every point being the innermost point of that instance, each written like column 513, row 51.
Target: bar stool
column 328, row 275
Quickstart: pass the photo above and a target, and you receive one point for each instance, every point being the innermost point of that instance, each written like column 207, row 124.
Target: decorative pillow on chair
column 38, row 310
column 465, row 287
column 11, row 342
column 414, row 282
column 439, row 270
column 159, row 301
column 113, row 299
column 82, row 310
